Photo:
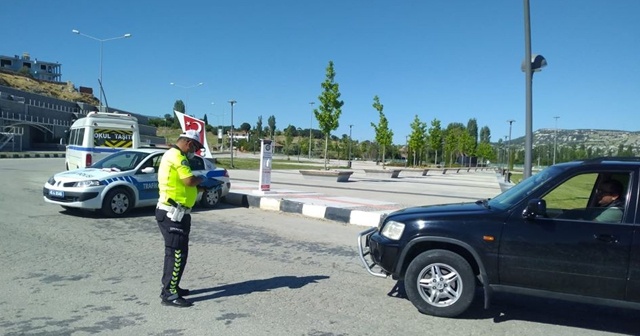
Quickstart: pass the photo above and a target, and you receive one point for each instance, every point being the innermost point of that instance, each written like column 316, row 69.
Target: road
column 252, row 272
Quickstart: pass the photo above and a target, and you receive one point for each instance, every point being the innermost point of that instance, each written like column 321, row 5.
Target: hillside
column 591, row 138
column 65, row 91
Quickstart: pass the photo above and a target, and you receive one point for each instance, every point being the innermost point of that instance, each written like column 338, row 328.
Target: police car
column 125, row 180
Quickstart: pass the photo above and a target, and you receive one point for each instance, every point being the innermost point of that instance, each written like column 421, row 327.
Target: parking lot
column 252, row 272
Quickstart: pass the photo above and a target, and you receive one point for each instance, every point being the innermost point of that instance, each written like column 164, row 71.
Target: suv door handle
column 607, row 238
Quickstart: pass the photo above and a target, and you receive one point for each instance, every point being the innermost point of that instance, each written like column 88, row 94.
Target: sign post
column 266, row 155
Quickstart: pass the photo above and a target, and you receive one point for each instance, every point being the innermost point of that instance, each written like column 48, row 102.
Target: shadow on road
column 515, row 307
column 251, row 286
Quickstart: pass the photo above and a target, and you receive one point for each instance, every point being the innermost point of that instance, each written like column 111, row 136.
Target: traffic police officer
column 178, row 192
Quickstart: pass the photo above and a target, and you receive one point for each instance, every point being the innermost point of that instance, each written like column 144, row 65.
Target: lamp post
column 406, row 146
column 310, row 127
column 219, row 133
column 509, row 145
column 75, row 31
column 530, row 64
column 186, row 90
column 232, row 102
column 350, row 127
column 555, row 139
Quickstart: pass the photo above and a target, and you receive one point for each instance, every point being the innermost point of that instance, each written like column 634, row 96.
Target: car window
column 573, row 193
column 578, row 198
column 196, row 163
column 152, row 162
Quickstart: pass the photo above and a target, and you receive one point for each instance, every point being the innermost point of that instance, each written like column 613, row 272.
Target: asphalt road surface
column 252, row 272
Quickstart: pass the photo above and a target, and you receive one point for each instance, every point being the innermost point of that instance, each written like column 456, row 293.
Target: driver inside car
column 609, row 195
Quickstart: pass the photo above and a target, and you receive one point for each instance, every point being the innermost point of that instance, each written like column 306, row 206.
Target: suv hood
column 457, row 209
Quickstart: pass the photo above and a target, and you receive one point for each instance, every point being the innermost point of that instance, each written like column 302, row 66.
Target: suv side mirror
column 536, row 207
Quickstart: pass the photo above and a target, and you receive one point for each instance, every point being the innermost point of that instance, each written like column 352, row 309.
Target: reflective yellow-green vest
column 174, row 167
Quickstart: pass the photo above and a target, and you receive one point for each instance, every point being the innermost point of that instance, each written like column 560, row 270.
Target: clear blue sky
column 450, row 60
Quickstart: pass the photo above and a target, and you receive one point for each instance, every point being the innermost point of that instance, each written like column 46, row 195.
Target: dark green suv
column 546, row 236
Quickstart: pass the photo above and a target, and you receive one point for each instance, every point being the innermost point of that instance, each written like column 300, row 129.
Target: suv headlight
column 392, row 230
column 88, row 183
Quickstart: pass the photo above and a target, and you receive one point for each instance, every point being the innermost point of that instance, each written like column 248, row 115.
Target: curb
column 31, row 155
column 347, row 216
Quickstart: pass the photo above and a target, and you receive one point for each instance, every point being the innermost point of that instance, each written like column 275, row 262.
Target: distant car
column 125, row 180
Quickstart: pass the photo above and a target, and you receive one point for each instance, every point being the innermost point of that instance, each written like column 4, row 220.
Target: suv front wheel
column 440, row 283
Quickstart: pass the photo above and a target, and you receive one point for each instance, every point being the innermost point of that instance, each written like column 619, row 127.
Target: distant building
column 38, row 69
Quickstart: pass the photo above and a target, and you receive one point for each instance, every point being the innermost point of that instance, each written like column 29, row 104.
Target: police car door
column 147, row 181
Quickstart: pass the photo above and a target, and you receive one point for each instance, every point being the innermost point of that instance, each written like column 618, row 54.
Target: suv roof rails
column 612, row 158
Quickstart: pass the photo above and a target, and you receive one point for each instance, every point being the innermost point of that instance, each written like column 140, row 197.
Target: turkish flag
column 191, row 123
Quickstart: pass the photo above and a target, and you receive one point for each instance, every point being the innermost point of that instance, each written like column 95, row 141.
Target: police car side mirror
column 148, row 170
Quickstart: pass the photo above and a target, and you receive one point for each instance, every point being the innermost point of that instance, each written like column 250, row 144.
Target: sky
column 445, row 60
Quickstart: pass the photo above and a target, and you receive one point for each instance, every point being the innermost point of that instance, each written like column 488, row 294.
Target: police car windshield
column 121, row 161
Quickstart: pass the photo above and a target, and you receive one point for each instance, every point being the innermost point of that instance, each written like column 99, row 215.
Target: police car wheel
column 116, row 203
column 210, row 198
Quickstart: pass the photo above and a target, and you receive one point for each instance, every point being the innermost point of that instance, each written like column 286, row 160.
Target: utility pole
column 510, row 121
column 232, row 102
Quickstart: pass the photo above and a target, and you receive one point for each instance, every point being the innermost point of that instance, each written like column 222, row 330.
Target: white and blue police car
column 125, row 180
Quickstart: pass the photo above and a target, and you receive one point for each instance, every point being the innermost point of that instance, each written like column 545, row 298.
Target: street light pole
column 509, row 145
column 350, row 127
column 555, row 139
column 310, row 127
column 232, row 102
column 406, row 146
column 127, row 35
column 186, row 90
column 531, row 64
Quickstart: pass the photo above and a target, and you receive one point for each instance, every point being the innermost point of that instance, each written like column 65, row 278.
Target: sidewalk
column 364, row 200
column 32, row 154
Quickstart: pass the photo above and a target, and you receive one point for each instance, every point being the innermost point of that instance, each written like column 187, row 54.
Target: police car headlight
column 88, row 183
column 392, row 230
column 51, row 181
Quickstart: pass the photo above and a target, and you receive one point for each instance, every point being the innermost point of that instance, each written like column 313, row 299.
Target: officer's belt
column 166, row 207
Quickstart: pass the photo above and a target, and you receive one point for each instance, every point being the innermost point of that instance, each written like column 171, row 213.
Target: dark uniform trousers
column 176, row 251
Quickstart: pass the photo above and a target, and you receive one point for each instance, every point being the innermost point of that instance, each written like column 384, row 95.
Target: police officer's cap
column 192, row 135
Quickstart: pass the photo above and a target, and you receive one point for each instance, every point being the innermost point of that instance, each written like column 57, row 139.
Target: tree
column 178, row 106
column 417, row 139
column 25, row 72
column 206, row 121
column 472, row 129
column 288, row 139
column 245, row 127
column 384, row 135
column 259, row 128
column 485, row 134
column 330, row 109
column 435, row 138
column 294, row 131
column 272, row 126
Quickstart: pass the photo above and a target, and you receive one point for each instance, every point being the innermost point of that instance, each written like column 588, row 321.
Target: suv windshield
column 121, row 161
column 521, row 190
